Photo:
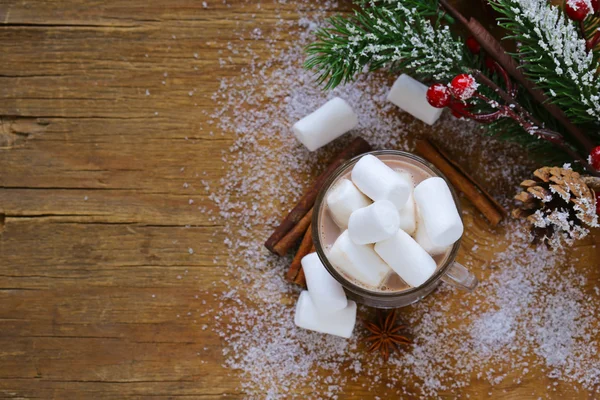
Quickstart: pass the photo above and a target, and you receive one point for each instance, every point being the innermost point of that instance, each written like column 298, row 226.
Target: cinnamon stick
column 301, row 278
column 480, row 198
column 304, row 249
column 356, row 147
column 291, row 238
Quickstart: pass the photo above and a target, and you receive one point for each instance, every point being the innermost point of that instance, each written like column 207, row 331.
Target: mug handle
column 459, row 276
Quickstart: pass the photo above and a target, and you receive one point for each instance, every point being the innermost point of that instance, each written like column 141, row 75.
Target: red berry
column 577, row 10
column 598, row 203
column 463, row 86
column 474, row 45
column 438, row 95
column 457, row 107
column 490, row 63
column 596, row 5
column 595, row 157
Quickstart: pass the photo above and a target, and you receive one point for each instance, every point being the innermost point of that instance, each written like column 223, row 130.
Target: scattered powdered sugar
column 530, row 313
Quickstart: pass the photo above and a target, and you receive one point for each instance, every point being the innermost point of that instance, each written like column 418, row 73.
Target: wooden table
column 95, row 220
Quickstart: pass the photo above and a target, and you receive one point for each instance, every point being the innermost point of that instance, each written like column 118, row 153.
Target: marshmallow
column 343, row 199
column 423, row 239
column 358, row 261
column 408, row 220
column 327, row 123
column 406, row 258
column 325, row 292
column 411, row 96
column 438, row 212
column 340, row 323
column 408, row 213
column 374, row 223
column 378, row 181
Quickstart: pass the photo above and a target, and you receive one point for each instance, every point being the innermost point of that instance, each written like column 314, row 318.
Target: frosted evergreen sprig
column 394, row 34
column 554, row 56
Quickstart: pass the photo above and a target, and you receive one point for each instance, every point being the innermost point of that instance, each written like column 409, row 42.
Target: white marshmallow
column 340, row 323
column 374, row 223
column 411, row 96
column 358, row 261
column 408, row 213
column 408, row 220
column 423, row 239
column 343, row 199
column 378, row 181
column 327, row 123
column 407, row 258
column 438, row 212
column 325, row 292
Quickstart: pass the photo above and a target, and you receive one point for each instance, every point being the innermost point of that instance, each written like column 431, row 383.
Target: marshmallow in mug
column 326, row 293
column 408, row 213
column 407, row 258
column 340, row 323
column 411, row 96
column 438, row 212
column 374, row 223
column 423, row 239
column 326, row 124
column 358, row 261
column 343, row 200
column 379, row 182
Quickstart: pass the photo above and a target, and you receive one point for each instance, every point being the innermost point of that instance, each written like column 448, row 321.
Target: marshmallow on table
column 406, row 258
column 358, row 261
column 376, row 222
column 343, row 200
column 340, row 323
column 325, row 292
column 408, row 213
column 438, row 212
column 378, row 181
column 423, row 239
column 327, row 123
column 411, row 96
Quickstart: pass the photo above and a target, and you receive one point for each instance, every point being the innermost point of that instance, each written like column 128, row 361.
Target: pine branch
column 409, row 36
column 554, row 56
column 394, row 35
column 424, row 8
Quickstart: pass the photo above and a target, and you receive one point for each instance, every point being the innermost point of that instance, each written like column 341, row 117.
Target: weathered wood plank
column 47, row 162
column 116, row 206
column 96, row 275
column 99, row 246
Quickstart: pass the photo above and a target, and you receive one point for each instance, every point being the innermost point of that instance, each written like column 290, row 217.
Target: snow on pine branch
column 393, row 36
column 555, row 56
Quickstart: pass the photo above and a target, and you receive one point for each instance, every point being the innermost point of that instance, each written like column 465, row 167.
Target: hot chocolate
column 330, row 231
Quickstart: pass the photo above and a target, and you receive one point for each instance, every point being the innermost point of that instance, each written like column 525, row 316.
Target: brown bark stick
column 493, row 47
column 292, row 237
column 356, row 147
column 301, row 278
column 304, row 249
column 480, row 198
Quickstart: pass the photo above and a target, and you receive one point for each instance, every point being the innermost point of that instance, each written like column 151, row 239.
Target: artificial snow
column 530, row 312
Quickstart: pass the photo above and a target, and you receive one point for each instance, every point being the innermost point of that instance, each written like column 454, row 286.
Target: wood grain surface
column 95, row 220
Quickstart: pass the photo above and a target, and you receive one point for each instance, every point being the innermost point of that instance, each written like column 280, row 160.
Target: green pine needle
column 412, row 36
column 553, row 55
column 395, row 35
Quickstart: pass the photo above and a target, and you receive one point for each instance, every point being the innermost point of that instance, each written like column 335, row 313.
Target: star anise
column 384, row 334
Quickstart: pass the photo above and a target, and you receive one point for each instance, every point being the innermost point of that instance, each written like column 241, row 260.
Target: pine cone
column 558, row 204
